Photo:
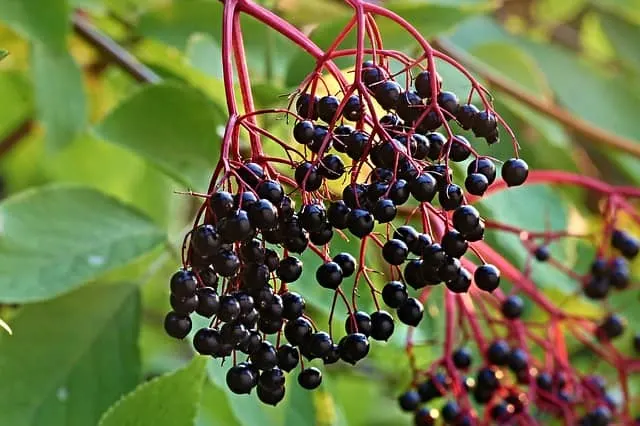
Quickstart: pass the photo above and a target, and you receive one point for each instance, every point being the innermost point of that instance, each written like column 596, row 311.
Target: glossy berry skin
column 434, row 256
column 271, row 190
column 425, row 417
column 331, row 167
column 251, row 174
column 207, row 341
column 303, row 132
column 272, row 379
column 293, row 305
column 306, row 106
column 450, row 197
column 487, row 277
column 408, row 235
column 307, row 177
column 484, row 166
column 449, row 102
column 296, row 331
column 466, row 115
column 476, row 184
column 399, row 192
column 328, row 108
column 409, row 106
column 208, row 302
column 394, row 293
column 462, row 358
column 353, row 109
column 381, row 325
column 183, row 306
column 460, row 149
column 240, row 379
column 498, row 352
column 518, row 360
column 409, row 401
column 395, row 252
column 422, row 84
column 289, row 269
column 542, row 254
column 461, row 283
column 611, row 327
column 627, row 245
column 515, row 171
column 387, row 94
column 226, row 263
column 450, row 412
column 332, row 356
column 466, row 219
column 356, row 143
column 487, row 379
column 312, row 217
column 271, row 396
column 183, row 284
column 310, row 378
column 338, row 214
column 424, row 187
column 287, row 357
column 413, row 274
column 353, row 347
column 454, row 244
column 346, row 262
column 360, row 222
column 372, row 74
column 512, row 307
column 250, row 343
column 358, row 322
column 329, row 275
column 265, row 357
column 410, row 312
column 433, row 388
column 177, row 325
column 384, row 211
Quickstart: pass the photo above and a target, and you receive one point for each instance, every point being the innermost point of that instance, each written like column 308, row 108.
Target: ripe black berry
column 413, row 274
column 360, row 222
column 487, row 378
column 626, row 244
column 229, row 308
column 487, row 277
column 384, row 210
column 312, row 217
column 306, row 106
column 409, row 106
column 264, row 357
column 177, row 325
column 422, row 84
column 387, row 94
column 290, row 269
column 409, row 401
column 272, row 379
column 309, row 172
column 611, row 327
column 183, row 284
column 466, row 115
column 226, row 263
column 436, row 143
column 394, row 293
column 287, row 357
column 408, row 234
column 381, row 325
column 395, row 252
column 498, row 352
column 236, row 226
column 303, row 132
column 331, row 167
column 310, row 378
column 460, row 283
column 250, row 343
column 454, row 244
column 450, row 412
column 515, row 171
column 183, row 305
column 410, row 312
column 319, row 344
column 338, row 214
column 462, row 358
column 358, row 322
column 352, row 110
column 296, row 331
column 356, row 143
column 460, row 149
column 346, row 262
column 476, row 184
column 271, row 190
column 434, row 256
column 423, row 187
column 517, row 360
column 240, row 379
column 372, row 74
column 465, row 219
column 450, row 197
column 251, row 174
column 207, row 341
column 271, row 396
column 512, row 307
column 353, row 347
column 399, row 192
column 329, row 275
column 425, row 417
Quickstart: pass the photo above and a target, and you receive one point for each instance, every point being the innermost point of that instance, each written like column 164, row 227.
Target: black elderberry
column 290, row 269
column 340, row 135
column 434, row 256
column 270, row 325
column 337, row 214
column 236, row 226
column 409, row 401
column 183, row 305
column 476, row 184
column 346, row 262
column 461, row 283
column 485, row 124
column 226, row 263
column 454, row 244
column 328, row 108
column 245, row 301
column 462, row 358
column 272, row 379
column 611, row 327
column 307, row 177
column 177, row 325
column 310, row 378
column 297, row 243
column 487, row 378
column 287, row 357
column 542, row 253
column 319, row 344
column 233, row 333
column 360, row 222
column 399, row 192
column 512, row 307
column 387, row 94
column 450, row 197
column 466, row 116
column 372, row 74
column 264, row 358
column 331, row 167
column 381, row 325
column 255, row 275
column 460, row 149
column 599, row 416
column 484, row 166
column 487, row 277
column 183, row 284
column 261, row 296
column 353, row 110
column 207, row 341
column 208, row 302
column 376, row 190
column 353, row 195
column 409, row 106
column 224, row 351
column 293, row 305
column 394, row 293
column 296, row 331
column 250, row 342
column 476, row 235
column 619, row 273
column 205, row 240
column 450, row 412
column 406, row 170
column 498, row 352
column 413, row 274
column 274, row 308
column 422, row 84
column 271, row 190
column 251, row 174
column 627, row 245
column 515, row 171
column 332, row 356
column 358, row 322
column 517, row 360
column 240, row 379
column 353, row 347
column 286, row 208
column 501, row 412
column 306, row 106
column 384, row 210
column 221, row 203
column 407, row 234
column 356, row 143
column 322, row 236
column 433, row 388
column 450, row 269
column 312, row 217
column 465, row 219
column 423, row 187
column 429, row 123
column 271, row 259
column 229, row 308
column 329, row 275
column 303, row 131
column 425, row 417
column 436, row 144
column 395, row 252
column 252, row 251
column 250, row 319
column 544, row 381
column 271, row 396
column 410, row 312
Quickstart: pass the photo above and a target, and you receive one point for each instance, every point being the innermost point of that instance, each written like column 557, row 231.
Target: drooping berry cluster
column 385, row 180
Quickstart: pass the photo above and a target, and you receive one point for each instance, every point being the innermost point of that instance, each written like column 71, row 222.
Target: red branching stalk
column 475, row 313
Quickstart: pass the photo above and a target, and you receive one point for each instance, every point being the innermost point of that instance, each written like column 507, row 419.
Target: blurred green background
column 91, row 159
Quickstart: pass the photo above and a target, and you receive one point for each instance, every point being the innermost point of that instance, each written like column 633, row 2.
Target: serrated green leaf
column 54, row 239
column 45, row 21
column 60, row 97
column 171, row 399
column 70, row 358
column 174, row 127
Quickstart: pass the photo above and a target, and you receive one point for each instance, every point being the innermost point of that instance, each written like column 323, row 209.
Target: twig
column 14, row 137
column 550, row 109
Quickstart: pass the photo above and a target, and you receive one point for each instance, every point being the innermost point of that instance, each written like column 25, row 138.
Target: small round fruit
column 394, row 293
column 381, row 325
column 177, row 325
column 353, row 347
column 487, row 277
column 240, row 379
column 410, row 312
column 346, row 262
column 515, row 171
column 512, row 307
column 409, row 401
column 310, row 378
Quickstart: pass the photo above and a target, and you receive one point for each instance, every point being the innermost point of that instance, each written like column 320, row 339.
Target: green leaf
column 3, row 54
column 5, row 326
column 45, row 21
column 175, row 127
column 167, row 400
column 17, row 105
column 70, row 358
column 55, row 238
column 218, row 413
column 60, row 97
column 624, row 36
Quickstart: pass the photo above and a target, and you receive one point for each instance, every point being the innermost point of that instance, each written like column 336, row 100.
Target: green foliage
column 148, row 403
column 65, row 351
